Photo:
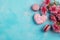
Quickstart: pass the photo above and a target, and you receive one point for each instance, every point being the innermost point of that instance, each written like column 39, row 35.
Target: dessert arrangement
column 54, row 11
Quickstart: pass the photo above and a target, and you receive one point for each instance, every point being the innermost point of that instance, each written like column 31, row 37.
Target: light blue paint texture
column 16, row 22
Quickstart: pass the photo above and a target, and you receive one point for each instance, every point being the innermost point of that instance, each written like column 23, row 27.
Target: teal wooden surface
column 16, row 22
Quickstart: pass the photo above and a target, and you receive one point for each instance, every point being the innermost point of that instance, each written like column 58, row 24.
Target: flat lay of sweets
column 54, row 9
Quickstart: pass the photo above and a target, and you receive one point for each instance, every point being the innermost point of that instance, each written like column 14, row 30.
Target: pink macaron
column 35, row 7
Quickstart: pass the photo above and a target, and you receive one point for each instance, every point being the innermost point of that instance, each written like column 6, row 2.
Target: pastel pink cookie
column 35, row 7
column 44, row 17
column 39, row 19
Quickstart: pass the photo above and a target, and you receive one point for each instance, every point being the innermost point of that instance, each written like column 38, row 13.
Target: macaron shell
column 46, row 28
column 35, row 7
column 37, row 19
column 44, row 17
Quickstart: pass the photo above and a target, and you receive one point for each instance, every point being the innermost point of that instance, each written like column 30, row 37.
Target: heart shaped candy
column 40, row 19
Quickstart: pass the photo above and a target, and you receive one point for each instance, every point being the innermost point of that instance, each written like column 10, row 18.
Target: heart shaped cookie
column 40, row 19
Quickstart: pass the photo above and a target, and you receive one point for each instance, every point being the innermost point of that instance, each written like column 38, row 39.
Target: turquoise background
column 16, row 22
